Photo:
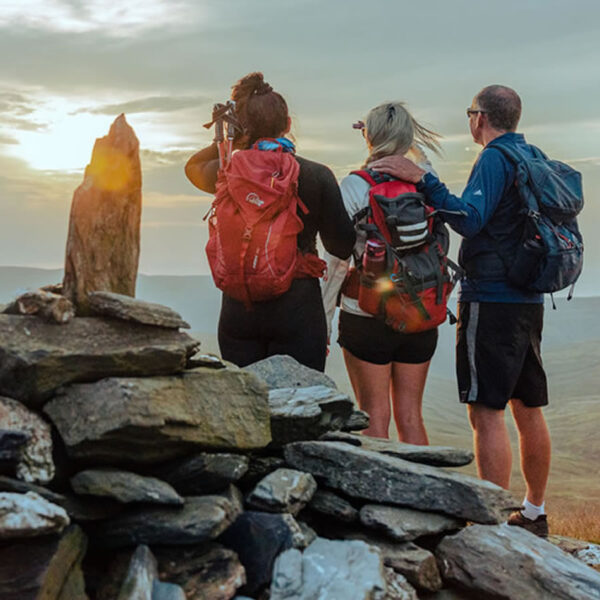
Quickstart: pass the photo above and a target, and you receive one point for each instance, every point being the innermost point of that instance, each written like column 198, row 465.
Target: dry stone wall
column 133, row 466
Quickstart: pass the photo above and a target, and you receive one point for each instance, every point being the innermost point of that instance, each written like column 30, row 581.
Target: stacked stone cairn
column 134, row 467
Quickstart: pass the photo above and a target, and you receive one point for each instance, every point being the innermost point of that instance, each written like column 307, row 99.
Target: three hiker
column 498, row 359
column 520, row 239
column 388, row 365
column 270, row 204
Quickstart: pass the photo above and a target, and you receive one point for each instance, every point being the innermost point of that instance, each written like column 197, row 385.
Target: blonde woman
column 387, row 369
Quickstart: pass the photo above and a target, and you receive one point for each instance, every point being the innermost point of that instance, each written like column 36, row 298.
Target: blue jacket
column 490, row 223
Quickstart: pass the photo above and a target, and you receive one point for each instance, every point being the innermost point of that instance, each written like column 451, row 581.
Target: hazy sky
column 69, row 67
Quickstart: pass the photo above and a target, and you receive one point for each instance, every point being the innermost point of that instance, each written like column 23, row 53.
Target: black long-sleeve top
column 317, row 188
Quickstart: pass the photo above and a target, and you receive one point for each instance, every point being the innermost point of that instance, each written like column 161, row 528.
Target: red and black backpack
column 412, row 292
column 253, row 227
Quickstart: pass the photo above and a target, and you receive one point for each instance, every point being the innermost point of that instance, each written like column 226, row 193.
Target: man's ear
column 288, row 126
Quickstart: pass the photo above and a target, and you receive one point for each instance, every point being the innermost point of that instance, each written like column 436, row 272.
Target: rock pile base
column 130, row 470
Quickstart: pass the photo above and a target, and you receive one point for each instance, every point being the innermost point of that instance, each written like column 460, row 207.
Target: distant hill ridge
column 198, row 301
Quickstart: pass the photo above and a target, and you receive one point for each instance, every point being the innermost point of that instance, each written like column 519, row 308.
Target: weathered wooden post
column 103, row 243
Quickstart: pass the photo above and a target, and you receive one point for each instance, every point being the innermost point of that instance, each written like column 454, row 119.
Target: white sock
column 531, row 511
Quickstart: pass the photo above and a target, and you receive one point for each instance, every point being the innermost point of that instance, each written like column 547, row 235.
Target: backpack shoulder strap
column 514, row 156
column 511, row 154
column 373, row 177
column 365, row 174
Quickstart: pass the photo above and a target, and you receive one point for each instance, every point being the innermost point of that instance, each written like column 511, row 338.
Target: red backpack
column 415, row 276
column 253, row 227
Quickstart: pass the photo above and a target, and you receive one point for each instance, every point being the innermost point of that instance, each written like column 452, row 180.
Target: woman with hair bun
column 385, row 367
column 292, row 322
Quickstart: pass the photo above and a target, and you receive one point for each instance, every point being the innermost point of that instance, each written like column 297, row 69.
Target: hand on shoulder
column 398, row 166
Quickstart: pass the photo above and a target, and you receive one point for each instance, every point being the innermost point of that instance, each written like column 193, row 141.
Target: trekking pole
column 219, row 111
column 230, row 128
column 224, row 114
column 219, row 140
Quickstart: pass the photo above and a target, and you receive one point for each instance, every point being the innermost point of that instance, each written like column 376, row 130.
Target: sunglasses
column 474, row 111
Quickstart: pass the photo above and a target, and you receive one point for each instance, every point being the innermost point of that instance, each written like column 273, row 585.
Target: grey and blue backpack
column 549, row 257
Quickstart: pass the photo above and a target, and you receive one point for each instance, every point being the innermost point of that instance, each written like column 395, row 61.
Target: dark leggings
column 293, row 323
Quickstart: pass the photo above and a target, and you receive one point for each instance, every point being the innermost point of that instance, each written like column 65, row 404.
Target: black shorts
column 498, row 354
column 371, row 340
column 293, row 324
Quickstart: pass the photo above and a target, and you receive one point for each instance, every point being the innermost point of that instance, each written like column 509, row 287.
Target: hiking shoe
column 538, row 527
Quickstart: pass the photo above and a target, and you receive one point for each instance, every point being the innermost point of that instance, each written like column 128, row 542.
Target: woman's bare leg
column 408, row 384
column 371, row 385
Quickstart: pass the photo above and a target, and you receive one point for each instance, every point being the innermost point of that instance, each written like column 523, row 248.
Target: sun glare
column 64, row 145
column 64, row 136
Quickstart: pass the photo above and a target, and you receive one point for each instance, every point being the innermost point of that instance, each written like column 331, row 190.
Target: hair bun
column 263, row 88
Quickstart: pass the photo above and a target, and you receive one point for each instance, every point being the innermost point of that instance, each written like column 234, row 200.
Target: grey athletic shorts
column 498, row 354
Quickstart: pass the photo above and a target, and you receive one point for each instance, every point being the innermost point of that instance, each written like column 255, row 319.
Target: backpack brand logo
column 254, row 199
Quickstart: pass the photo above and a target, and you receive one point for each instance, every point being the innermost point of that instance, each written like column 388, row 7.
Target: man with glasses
column 498, row 359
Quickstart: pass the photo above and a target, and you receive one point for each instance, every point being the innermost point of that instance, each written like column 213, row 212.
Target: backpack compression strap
column 372, row 178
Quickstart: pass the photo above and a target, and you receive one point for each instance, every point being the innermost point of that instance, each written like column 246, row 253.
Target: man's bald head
column 502, row 106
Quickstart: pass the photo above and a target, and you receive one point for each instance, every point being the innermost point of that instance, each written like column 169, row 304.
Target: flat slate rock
column 258, row 538
column 357, row 421
column 329, row 503
column 306, row 413
column 510, row 563
column 201, row 359
column 29, row 515
column 35, row 463
column 283, row 371
column 79, row 509
column 119, row 306
column 74, row 586
column 141, row 573
column 450, row 594
column 406, row 524
column 328, row 570
column 200, row 519
column 204, row 473
column 46, row 305
column 124, row 486
column 36, row 358
column 161, row 590
column 397, row 587
column 417, row 564
column 150, row 420
column 40, row 568
column 12, row 443
column 259, row 467
column 209, row 571
column 585, row 551
column 436, row 456
column 381, row 478
column 283, row 490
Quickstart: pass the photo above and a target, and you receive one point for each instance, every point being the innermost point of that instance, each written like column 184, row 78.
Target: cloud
column 15, row 103
column 587, row 160
column 156, row 159
column 84, row 16
column 22, row 124
column 162, row 104
column 14, row 109
column 8, row 140
column 165, row 61
column 152, row 199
